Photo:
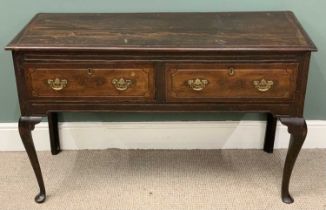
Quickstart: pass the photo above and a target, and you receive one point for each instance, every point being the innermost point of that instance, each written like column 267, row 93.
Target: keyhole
column 90, row 72
column 231, row 71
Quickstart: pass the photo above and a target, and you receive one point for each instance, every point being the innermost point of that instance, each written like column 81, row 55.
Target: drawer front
column 131, row 82
column 223, row 82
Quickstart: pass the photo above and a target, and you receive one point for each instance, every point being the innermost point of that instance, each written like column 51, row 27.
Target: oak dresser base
column 163, row 62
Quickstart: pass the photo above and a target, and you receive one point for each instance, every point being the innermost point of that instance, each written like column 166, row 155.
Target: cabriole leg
column 297, row 127
column 26, row 125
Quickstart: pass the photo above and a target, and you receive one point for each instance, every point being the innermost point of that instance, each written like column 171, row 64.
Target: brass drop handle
column 57, row 84
column 263, row 85
column 197, row 84
column 121, row 84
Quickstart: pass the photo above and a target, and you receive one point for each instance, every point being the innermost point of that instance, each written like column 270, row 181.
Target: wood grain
column 164, row 31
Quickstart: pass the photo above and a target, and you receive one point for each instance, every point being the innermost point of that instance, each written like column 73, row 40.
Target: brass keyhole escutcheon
column 90, row 72
column 231, row 71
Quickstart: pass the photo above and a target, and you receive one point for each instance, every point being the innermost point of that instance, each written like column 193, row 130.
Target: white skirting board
column 160, row 135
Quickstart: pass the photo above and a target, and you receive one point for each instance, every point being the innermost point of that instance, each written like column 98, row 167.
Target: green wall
column 14, row 14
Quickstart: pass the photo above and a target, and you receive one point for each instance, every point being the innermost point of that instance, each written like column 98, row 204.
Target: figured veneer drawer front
column 230, row 82
column 114, row 81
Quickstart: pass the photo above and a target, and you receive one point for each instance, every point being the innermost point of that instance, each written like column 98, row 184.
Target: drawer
column 230, row 82
column 117, row 81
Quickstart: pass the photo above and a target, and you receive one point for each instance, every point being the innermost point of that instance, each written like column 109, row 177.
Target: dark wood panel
column 230, row 82
column 144, row 56
column 39, row 108
column 164, row 31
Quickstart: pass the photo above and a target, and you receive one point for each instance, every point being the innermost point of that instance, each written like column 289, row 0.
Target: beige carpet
column 162, row 179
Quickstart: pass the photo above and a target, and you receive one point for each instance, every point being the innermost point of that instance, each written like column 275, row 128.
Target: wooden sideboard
column 163, row 62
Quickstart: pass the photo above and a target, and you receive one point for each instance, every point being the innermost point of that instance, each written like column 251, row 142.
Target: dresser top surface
column 228, row 31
